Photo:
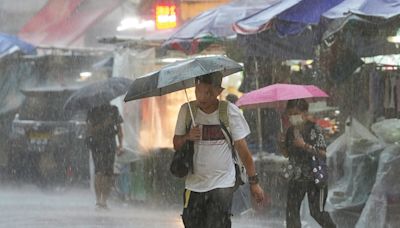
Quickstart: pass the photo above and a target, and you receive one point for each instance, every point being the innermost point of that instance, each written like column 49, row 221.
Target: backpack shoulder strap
column 188, row 118
column 224, row 122
column 223, row 113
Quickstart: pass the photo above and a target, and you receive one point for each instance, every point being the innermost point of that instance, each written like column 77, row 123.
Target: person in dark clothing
column 104, row 123
column 232, row 98
column 302, row 143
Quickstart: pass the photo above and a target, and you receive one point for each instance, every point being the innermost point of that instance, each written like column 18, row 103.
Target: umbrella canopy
column 10, row 44
column 213, row 25
column 97, row 93
column 179, row 75
column 276, row 95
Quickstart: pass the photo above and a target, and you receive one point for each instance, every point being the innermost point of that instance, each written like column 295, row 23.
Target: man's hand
column 194, row 134
column 119, row 151
column 299, row 142
column 257, row 193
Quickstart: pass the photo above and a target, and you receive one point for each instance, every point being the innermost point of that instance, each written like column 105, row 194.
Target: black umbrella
column 179, row 75
column 97, row 93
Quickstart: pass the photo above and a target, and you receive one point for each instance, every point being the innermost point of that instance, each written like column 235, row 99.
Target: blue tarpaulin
column 293, row 33
column 372, row 8
column 291, row 16
column 308, row 12
column 10, row 44
column 296, row 31
column 259, row 21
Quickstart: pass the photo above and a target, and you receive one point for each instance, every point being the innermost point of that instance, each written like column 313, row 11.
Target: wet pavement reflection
column 30, row 206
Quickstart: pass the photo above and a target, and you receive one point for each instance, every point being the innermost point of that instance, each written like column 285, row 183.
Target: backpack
column 241, row 175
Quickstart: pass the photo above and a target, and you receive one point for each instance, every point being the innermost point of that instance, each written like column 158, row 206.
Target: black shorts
column 103, row 158
column 210, row 209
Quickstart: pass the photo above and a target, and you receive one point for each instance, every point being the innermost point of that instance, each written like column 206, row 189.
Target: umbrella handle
column 190, row 109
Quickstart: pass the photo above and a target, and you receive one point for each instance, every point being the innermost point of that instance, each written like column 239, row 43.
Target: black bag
column 182, row 162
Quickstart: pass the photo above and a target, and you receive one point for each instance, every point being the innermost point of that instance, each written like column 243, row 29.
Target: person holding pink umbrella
column 304, row 145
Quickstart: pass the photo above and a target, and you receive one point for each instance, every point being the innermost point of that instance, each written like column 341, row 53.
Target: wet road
column 29, row 206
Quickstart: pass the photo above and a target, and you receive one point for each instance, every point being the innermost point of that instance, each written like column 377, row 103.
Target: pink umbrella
column 275, row 96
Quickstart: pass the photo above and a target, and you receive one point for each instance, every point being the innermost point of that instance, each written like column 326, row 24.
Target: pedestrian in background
column 231, row 98
column 304, row 144
column 103, row 124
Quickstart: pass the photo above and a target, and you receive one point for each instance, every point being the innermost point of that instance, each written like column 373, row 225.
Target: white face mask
column 296, row 120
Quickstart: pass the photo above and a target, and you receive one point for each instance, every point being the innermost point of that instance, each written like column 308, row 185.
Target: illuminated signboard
column 166, row 16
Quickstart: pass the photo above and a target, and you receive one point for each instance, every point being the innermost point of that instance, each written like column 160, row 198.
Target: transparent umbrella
column 97, row 93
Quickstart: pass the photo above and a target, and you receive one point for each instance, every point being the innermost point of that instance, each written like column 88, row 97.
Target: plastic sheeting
column 383, row 206
column 353, row 159
column 15, row 73
column 131, row 63
column 387, row 130
column 365, row 186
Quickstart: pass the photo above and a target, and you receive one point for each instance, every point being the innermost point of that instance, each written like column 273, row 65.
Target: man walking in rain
column 104, row 123
column 209, row 188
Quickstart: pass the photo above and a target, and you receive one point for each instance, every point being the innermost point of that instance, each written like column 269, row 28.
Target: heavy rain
column 200, row 113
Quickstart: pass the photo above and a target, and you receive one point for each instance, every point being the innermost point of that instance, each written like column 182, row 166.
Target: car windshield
column 44, row 105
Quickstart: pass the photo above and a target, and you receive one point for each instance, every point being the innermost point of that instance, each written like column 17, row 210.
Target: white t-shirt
column 212, row 159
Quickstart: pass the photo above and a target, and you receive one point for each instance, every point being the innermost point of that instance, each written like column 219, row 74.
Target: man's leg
column 218, row 208
column 97, row 187
column 295, row 195
column 98, row 179
column 106, row 188
column 193, row 215
column 108, row 171
column 322, row 217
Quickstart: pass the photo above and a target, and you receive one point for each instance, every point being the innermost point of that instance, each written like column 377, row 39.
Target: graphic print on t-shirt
column 212, row 135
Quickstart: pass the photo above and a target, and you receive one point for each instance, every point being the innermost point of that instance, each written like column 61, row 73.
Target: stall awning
column 61, row 23
column 10, row 44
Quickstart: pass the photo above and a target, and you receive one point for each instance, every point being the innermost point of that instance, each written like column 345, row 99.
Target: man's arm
column 193, row 135
column 120, row 135
column 318, row 149
column 179, row 140
column 247, row 160
column 282, row 144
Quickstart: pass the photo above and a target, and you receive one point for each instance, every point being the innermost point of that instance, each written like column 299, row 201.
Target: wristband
column 253, row 179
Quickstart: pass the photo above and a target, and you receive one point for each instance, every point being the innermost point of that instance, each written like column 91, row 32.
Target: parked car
column 47, row 143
